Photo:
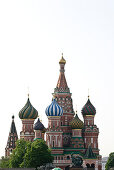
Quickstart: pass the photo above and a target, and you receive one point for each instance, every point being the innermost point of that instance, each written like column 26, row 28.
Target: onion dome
column 62, row 60
column 76, row 123
column 38, row 125
column 88, row 109
column 54, row 109
column 28, row 111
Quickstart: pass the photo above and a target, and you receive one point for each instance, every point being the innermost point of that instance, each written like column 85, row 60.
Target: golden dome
column 76, row 123
column 62, row 60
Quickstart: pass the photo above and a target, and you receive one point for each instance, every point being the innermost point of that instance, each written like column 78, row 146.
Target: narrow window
column 53, row 144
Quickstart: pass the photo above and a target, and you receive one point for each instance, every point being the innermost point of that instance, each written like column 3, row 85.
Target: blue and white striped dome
column 54, row 109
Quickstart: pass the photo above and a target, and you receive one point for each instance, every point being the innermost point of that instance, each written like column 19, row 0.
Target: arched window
column 92, row 165
column 53, row 144
column 88, row 165
column 68, row 157
column 10, row 151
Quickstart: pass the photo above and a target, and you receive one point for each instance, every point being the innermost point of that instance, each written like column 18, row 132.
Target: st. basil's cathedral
column 66, row 134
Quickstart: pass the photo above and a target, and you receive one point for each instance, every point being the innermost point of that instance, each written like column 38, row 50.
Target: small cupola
column 76, row 123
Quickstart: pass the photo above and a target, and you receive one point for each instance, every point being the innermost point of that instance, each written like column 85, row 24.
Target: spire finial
column 28, row 91
column 88, row 93
column 40, row 118
column 76, row 109
column 13, row 117
column 53, row 97
column 76, row 112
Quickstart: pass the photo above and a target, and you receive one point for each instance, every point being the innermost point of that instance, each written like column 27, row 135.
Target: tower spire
column 62, row 83
column 12, row 138
column 88, row 94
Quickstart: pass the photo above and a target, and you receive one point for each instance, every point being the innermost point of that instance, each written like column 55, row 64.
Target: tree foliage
column 4, row 162
column 17, row 157
column 38, row 154
column 30, row 154
column 110, row 162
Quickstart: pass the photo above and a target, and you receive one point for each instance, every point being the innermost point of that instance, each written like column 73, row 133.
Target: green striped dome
column 76, row 123
column 28, row 111
column 88, row 109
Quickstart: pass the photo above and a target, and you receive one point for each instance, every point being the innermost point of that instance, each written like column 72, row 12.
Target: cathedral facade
column 66, row 134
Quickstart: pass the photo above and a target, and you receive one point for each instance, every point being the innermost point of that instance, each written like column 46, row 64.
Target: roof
column 28, row 111
column 62, row 60
column 88, row 108
column 76, row 123
column 89, row 153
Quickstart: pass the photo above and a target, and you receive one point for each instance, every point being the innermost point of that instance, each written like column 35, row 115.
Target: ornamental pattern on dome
column 76, row 123
column 54, row 109
column 88, row 109
column 28, row 111
column 38, row 125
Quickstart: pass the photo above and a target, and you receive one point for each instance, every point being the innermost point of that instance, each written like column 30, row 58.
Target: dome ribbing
column 28, row 111
column 38, row 125
column 54, row 109
column 88, row 109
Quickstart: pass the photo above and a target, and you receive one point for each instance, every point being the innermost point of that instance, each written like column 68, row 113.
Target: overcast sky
column 33, row 34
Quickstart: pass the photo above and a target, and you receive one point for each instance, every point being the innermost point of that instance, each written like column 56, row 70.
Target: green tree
column 37, row 154
column 30, row 154
column 17, row 156
column 110, row 162
column 4, row 162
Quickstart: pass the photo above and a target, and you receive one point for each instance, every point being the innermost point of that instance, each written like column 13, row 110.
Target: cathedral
column 66, row 134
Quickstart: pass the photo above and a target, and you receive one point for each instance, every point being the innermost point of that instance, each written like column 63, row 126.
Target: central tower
column 63, row 97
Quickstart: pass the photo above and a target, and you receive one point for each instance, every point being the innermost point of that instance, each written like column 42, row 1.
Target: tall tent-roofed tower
column 28, row 114
column 12, row 138
column 63, row 97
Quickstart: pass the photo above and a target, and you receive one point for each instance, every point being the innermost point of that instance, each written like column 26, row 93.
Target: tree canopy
column 37, row 154
column 110, row 162
column 30, row 154
column 4, row 162
column 17, row 156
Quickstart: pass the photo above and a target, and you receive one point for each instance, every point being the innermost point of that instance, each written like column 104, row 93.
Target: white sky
column 33, row 34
